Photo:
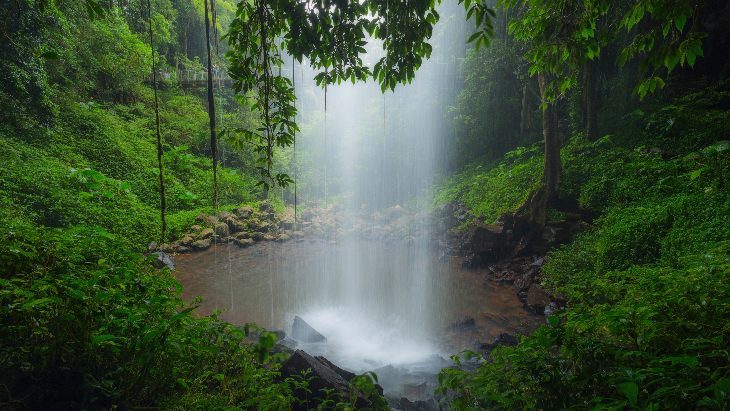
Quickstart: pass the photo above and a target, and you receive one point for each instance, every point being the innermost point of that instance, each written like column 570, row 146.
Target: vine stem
column 163, row 201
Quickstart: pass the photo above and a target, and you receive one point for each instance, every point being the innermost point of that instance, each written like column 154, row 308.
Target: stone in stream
column 201, row 245
column 303, row 332
column 162, row 260
column 322, row 378
column 404, row 404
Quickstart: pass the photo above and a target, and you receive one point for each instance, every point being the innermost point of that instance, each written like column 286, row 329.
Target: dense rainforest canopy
column 614, row 113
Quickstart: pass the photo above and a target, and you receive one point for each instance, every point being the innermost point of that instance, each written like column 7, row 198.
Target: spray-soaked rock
column 221, row 229
column 322, row 379
column 266, row 207
column 244, row 212
column 205, row 234
column 210, row 220
column 201, row 245
column 303, row 332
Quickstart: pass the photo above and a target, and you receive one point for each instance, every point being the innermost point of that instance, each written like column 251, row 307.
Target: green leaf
column 553, row 320
column 50, row 55
column 630, row 390
column 37, row 303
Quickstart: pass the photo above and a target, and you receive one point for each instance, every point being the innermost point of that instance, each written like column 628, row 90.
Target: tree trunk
column 590, row 100
column 531, row 216
column 211, row 110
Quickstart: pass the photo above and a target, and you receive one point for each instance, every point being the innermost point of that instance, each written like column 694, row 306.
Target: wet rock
column 269, row 237
column 244, row 242
column 495, row 318
column 183, row 249
column 287, row 223
column 522, row 248
column 404, row 404
column 257, row 236
column 538, row 262
column 282, row 238
column 322, row 378
column 266, row 207
column 395, row 212
column 303, row 332
column 210, row 220
column 205, row 234
column 221, row 229
column 201, row 245
column 162, row 260
column 503, row 339
column 463, row 323
column 244, row 212
column 200, row 218
column 196, row 228
column 523, row 282
column 223, row 215
column 242, row 235
column 263, row 227
column 187, row 241
column 152, row 247
column 537, row 298
column 234, row 225
column 530, row 326
column 297, row 235
column 346, row 375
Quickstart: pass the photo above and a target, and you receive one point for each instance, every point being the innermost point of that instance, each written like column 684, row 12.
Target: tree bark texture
column 211, row 110
column 590, row 100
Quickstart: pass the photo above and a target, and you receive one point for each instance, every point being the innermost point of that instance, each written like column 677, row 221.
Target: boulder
column 287, row 223
column 223, row 215
column 162, row 260
column 266, row 207
column 183, row 249
column 201, row 245
column 257, row 236
column 242, row 235
column 200, row 218
column 303, row 332
column 244, row 212
column 537, row 298
column 322, row 379
column 269, row 237
column 463, row 323
column 187, row 241
column 528, row 327
column 282, row 238
column 263, row 227
column 205, row 234
column 152, row 247
column 495, row 318
column 404, row 404
column 211, row 220
column 221, row 229
column 196, row 228
column 235, row 226
column 395, row 212
column 503, row 339
column 243, row 242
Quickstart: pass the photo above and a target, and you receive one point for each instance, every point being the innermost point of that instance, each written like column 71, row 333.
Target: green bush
column 657, row 338
column 88, row 325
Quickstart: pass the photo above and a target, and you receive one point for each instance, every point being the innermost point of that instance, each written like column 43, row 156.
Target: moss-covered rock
column 201, row 245
column 221, row 229
column 244, row 242
column 282, row 238
column 205, row 234
column 257, row 236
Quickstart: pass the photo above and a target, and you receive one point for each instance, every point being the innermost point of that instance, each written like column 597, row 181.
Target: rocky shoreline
column 497, row 252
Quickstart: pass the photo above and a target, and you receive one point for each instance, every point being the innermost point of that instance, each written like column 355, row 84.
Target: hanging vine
column 331, row 35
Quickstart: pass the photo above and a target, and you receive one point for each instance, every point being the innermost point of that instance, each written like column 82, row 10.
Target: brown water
column 376, row 304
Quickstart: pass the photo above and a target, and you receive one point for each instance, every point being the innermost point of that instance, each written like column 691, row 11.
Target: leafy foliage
column 93, row 326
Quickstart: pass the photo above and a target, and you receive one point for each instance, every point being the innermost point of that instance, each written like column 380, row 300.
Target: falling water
column 378, row 301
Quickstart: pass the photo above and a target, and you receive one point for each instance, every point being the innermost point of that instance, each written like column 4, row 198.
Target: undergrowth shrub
column 89, row 325
column 492, row 189
column 645, row 338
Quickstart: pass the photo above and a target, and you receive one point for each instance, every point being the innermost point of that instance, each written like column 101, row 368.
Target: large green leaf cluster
column 645, row 338
column 88, row 325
